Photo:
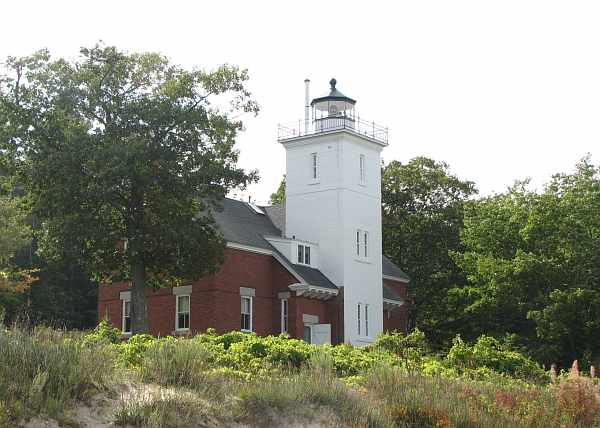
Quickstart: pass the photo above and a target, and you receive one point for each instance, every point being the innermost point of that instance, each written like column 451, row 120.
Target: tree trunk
column 139, row 302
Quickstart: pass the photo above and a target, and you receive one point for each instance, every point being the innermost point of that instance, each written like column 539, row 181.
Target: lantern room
column 333, row 111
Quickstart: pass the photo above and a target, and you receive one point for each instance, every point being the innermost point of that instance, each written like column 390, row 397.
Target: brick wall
column 397, row 319
column 215, row 301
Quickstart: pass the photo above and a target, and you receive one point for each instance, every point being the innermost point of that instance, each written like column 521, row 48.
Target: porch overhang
column 390, row 304
column 313, row 292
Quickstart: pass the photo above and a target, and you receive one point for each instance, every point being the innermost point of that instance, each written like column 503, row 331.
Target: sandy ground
column 98, row 412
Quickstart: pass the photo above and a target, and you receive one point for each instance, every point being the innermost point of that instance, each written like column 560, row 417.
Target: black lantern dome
column 334, row 110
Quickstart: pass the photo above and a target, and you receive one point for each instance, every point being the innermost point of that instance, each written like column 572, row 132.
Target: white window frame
column 189, row 312
column 305, row 258
column 123, row 317
column 250, row 298
column 362, row 169
column 366, row 320
column 285, row 309
column 362, row 244
column 358, row 319
column 314, row 167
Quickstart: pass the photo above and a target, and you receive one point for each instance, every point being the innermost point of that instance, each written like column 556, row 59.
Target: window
column 366, row 320
column 362, row 243
column 126, row 316
column 363, row 322
column 358, row 314
column 314, row 173
column 303, row 254
column 362, row 169
column 246, row 324
column 284, row 315
column 307, row 334
column 183, row 312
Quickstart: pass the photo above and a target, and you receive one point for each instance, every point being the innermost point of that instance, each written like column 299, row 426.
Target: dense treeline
column 523, row 265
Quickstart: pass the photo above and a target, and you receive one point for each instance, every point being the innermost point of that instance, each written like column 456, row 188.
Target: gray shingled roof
column 390, row 269
column 240, row 224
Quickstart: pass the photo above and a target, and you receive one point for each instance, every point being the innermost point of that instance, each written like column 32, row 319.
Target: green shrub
column 131, row 352
column 413, row 346
column 489, row 353
column 103, row 333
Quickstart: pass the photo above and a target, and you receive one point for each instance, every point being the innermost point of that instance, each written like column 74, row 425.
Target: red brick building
column 283, row 297
column 312, row 267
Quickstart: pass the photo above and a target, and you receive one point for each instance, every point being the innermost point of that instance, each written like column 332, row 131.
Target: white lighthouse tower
column 333, row 198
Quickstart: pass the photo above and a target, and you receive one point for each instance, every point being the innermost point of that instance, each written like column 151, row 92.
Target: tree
column 117, row 147
column 14, row 234
column 532, row 261
column 279, row 196
column 422, row 217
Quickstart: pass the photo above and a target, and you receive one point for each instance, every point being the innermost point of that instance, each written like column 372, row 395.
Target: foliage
column 104, row 333
column 126, row 147
column 532, row 262
column 422, row 217
column 279, row 196
column 14, row 234
column 490, row 353
column 413, row 346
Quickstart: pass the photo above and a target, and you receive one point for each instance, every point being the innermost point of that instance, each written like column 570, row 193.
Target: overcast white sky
column 500, row 90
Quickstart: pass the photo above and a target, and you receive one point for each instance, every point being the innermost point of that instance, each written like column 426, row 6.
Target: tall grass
column 302, row 394
column 42, row 370
column 412, row 399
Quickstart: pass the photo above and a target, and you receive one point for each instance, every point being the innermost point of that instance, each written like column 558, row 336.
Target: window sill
column 362, row 184
column 245, row 331
column 365, row 339
column 126, row 333
column 364, row 261
column 182, row 332
column 312, row 183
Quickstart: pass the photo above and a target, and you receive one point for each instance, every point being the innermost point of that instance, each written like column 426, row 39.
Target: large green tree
column 423, row 206
column 126, row 147
column 532, row 261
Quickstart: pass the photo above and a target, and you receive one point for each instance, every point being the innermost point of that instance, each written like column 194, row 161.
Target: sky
column 500, row 90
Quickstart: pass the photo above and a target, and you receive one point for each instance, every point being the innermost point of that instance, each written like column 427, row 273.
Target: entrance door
column 320, row 334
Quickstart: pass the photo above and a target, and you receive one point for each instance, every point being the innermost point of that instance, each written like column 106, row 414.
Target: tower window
column 366, row 320
column 358, row 317
column 363, row 174
column 362, row 243
column 314, row 164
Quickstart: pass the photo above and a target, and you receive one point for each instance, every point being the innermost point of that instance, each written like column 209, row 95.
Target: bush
column 131, row 352
column 103, row 333
column 413, row 346
column 489, row 353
